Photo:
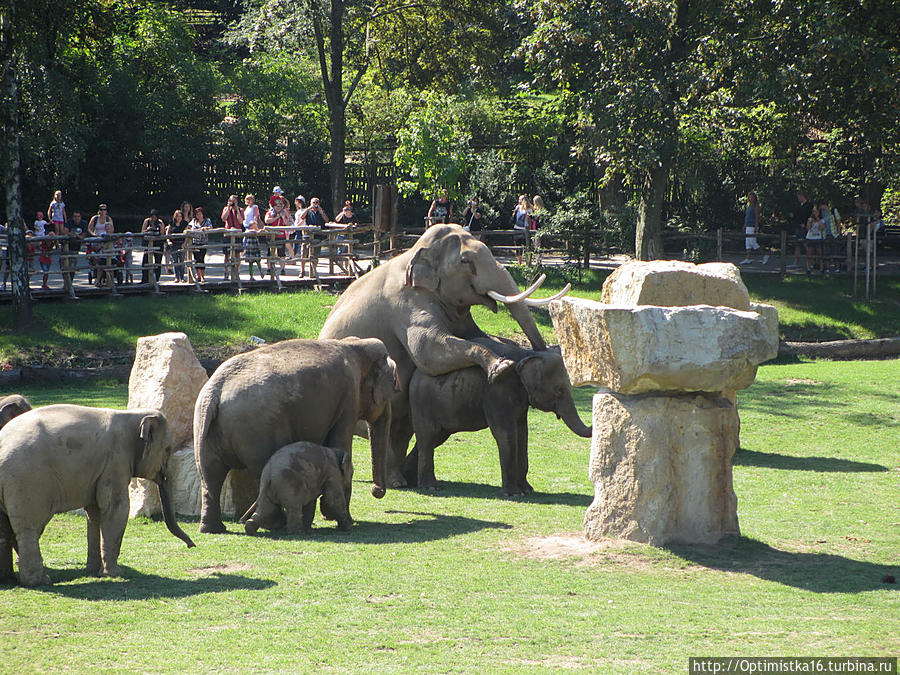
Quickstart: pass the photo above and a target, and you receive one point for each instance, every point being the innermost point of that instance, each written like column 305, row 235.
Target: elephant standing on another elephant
column 65, row 457
column 465, row 400
column 12, row 406
column 295, row 390
column 419, row 305
column 293, row 479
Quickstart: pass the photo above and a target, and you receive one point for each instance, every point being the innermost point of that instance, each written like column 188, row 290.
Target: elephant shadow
column 485, row 491
column 140, row 586
column 419, row 528
column 815, row 572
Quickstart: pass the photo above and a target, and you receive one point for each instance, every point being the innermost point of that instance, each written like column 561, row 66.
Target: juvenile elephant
column 65, row 457
column 465, row 400
column 419, row 305
column 12, row 406
column 292, row 481
column 295, row 390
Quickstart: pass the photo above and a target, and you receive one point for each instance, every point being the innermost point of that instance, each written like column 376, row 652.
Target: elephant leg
column 426, row 478
column 522, row 454
column 505, row 433
column 401, row 433
column 212, row 474
column 296, row 517
column 112, row 529
column 410, row 468
column 94, row 561
column 244, row 489
column 7, row 542
column 267, row 514
column 31, row 564
column 309, row 512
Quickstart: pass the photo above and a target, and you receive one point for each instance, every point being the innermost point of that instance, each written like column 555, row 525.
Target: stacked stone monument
column 669, row 344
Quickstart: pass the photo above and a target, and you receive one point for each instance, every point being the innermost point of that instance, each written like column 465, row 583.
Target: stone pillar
column 670, row 345
column 166, row 375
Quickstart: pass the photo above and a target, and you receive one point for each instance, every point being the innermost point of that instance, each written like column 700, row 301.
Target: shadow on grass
column 424, row 527
column 816, row 572
column 139, row 586
column 485, row 491
column 771, row 460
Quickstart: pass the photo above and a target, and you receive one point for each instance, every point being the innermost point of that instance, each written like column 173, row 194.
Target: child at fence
column 252, row 224
column 100, row 225
column 44, row 259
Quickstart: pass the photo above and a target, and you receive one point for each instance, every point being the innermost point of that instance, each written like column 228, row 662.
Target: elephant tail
column 205, row 412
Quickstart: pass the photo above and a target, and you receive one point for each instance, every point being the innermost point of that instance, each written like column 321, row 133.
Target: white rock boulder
column 640, row 349
column 670, row 283
column 661, row 468
column 166, row 375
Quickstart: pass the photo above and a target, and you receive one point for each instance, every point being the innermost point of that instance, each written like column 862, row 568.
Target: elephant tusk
column 509, row 299
column 538, row 302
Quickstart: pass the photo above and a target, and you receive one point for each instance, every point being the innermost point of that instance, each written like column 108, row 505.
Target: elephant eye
column 465, row 260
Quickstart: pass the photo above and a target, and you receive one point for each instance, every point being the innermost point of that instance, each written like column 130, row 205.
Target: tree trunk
column 12, row 170
column 648, row 235
column 338, row 178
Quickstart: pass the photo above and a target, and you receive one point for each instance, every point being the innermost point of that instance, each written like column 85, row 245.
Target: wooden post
column 783, row 254
column 719, row 243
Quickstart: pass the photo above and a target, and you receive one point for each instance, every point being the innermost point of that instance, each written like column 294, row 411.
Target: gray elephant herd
column 399, row 354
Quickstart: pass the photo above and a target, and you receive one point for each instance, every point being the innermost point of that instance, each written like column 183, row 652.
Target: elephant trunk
column 165, row 499
column 569, row 415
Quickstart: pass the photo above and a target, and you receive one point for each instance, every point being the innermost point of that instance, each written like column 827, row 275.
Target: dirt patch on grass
column 793, row 382
column 573, row 546
column 220, row 569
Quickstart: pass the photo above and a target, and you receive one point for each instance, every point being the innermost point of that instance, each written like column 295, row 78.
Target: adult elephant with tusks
column 289, row 391
column 419, row 304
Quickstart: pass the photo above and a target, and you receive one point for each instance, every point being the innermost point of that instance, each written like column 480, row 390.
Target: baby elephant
column 65, row 457
column 465, row 400
column 293, row 479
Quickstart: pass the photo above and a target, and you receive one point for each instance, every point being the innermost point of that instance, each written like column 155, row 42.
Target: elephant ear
column 530, row 371
column 151, row 426
column 422, row 272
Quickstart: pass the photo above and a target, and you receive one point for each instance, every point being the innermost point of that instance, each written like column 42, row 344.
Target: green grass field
column 463, row 580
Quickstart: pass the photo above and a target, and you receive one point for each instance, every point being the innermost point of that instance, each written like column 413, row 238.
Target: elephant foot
column 526, row 488
column 498, row 368
column 38, row 579
column 213, row 528
column 396, row 480
column 251, row 527
column 93, row 569
column 112, row 571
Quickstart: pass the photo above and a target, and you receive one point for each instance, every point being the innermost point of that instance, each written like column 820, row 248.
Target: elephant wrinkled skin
column 292, row 481
column 295, row 390
column 465, row 400
column 65, row 457
column 419, row 305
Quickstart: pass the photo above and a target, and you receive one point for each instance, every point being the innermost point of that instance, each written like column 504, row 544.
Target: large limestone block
column 672, row 283
column 166, row 375
column 661, row 468
column 769, row 313
column 634, row 350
